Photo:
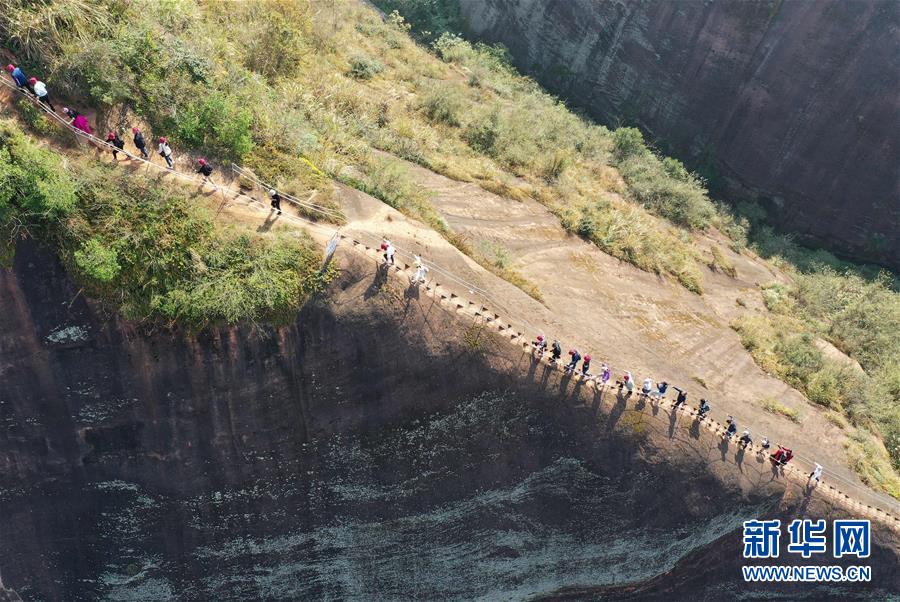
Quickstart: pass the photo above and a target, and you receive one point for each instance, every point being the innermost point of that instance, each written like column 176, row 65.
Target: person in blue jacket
column 19, row 77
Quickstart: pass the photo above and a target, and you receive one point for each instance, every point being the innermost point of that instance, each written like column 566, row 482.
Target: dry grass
column 776, row 407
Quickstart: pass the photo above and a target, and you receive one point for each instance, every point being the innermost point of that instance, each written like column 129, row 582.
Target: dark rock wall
column 794, row 103
column 355, row 454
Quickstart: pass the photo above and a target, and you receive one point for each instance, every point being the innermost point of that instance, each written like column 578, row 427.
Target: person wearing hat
column 540, row 345
column 703, row 409
column 140, row 143
column 79, row 121
column 586, row 365
column 166, row 151
column 40, row 90
column 116, row 142
column 556, row 351
column 204, row 168
column 576, row 357
column 19, row 77
column 276, row 200
column 605, row 374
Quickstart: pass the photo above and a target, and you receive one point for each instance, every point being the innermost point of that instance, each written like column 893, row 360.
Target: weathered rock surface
column 793, row 103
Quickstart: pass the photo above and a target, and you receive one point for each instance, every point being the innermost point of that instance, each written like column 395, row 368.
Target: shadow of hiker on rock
column 695, row 428
column 617, row 410
column 378, row 282
column 723, row 447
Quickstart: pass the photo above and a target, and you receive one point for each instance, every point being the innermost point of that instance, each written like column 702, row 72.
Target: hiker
column 140, row 143
column 422, row 270
column 628, row 381
column 605, row 374
column 556, row 351
column 19, row 77
column 576, row 357
column 539, row 345
column 745, row 438
column 764, row 443
column 276, row 200
column 782, row 456
column 40, row 90
column 682, row 397
column 388, row 249
column 647, row 387
column 661, row 389
column 166, row 151
column 585, row 366
column 703, row 410
column 816, row 473
column 732, row 427
column 116, row 142
column 79, row 121
column 204, row 169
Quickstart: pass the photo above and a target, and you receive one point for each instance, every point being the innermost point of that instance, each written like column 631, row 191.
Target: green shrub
column 35, row 189
column 628, row 143
column 443, row 104
column 34, row 117
column 217, row 124
column 97, row 261
column 362, row 67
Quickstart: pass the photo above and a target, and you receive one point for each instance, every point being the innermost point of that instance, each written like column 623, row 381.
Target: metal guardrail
column 374, row 244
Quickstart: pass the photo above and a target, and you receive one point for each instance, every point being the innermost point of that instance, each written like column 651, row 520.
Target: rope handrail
column 245, row 173
column 432, row 265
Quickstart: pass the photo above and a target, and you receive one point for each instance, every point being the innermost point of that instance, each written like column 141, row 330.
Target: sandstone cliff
column 792, row 103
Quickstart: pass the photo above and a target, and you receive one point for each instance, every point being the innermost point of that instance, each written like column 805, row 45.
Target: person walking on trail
column 420, row 276
column 79, row 121
column 116, row 142
column 745, row 438
column 816, row 473
column 703, row 409
column 166, row 151
column 682, row 397
column 140, row 143
column 388, row 249
column 576, row 357
column 661, row 389
column 276, row 200
column 556, row 352
column 19, row 77
column 647, row 387
column 605, row 374
column 539, row 345
column 628, row 381
column 204, row 169
column 732, row 427
column 40, row 90
column 585, row 366
column 764, row 443
column 782, row 456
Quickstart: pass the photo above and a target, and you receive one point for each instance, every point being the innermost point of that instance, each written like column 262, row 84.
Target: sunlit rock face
column 367, row 451
column 792, row 103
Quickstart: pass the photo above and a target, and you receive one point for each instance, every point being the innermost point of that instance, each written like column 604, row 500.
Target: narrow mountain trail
column 628, row 318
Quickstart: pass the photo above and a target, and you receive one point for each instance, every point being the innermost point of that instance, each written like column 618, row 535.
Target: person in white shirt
column 40, row 90
column 421, row 271
column 166, row 151
column 816, row 473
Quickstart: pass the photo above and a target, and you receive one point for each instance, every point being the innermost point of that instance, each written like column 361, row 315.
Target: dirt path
column 629, row 318
column 642, row 322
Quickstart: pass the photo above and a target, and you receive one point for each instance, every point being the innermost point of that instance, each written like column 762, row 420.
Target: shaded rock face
column 360, row 453
column 793, row 103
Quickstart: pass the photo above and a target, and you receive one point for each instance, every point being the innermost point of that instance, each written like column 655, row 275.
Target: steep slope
column 787, row 101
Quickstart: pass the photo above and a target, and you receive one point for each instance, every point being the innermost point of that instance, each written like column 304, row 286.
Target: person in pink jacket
column 78, row 120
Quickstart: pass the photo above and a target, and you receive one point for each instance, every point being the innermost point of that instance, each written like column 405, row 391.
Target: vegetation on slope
column 272, row 82
column 147, row 248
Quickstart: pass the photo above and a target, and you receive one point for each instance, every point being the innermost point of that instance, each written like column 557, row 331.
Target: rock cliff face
column 370, row 450
column 793, row 103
